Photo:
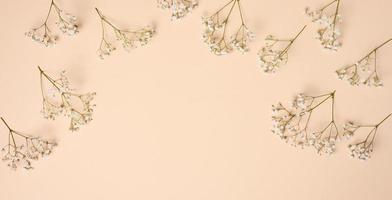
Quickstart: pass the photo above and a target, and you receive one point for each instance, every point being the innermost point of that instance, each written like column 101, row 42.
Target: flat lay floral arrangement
column 225, row 31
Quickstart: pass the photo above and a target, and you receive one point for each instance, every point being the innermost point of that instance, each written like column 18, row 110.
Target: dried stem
column 225, row 21
column 9, row 128
column 291, row 41
column 373, row 51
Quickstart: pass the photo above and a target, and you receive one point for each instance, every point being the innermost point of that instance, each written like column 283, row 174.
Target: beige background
column 175, row 122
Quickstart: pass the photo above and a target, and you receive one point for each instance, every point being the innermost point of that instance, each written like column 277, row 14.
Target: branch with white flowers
column 363, row 149
column 178, row 8
column 364, row 71
column 58, row 98
column 329, row 31
column 275, row 53
column 22, row 149
column 65, row 22
column 128, row 39
column 215, row 33
column 292, row 124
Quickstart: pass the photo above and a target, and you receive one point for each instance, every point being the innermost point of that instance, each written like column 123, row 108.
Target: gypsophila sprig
column 128, row 39
column 292, row 124
column 178, row 8
column 215, row 31
column 329, row 31
column 362, row 150
column 65, row 22
column 58, row 99
column 275, row 53
column 22, row 149
column 364, row 71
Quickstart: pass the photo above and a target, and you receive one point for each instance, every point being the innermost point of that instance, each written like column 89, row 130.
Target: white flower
column 363, row 72
column 325, row 146
column 363, row 149
column 128, row 39
column 292, row 125
column 132, row 39
column 349, row 129
column 272, row 57
column 78, row 107
column 65, row 22
column 22, row 149
column 43, row 37
column 216, row 37
column 360, row 151
column 271, row 60
column 179, row 8
column 105, row 49
column 301, row 102
column 329, row 32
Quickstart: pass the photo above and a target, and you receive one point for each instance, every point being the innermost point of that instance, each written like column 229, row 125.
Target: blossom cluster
column 215, row 32
column 22, row 149
column 362, row 150
column 65, row 22
column 364, row 71
column 128, row 39
column 58, row 99
column 178, row 8
column 270, row 58
column 275, row 53
column 329, row 32
column 292, row 124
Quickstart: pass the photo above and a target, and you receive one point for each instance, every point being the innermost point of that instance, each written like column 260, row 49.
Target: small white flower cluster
column 361, row 151
column 128, row 39
column 179, row 8
column 45, row 38
column 302, row 102
column 66, row 23
column 272, row 59
column 289, row 125
column 329, row 31
column 105, row 49
column 362, row 72
column 326, row 145
column 78, row 107
column 22, row 155
column 214, row 36
column 349, row 129
column 78, row 117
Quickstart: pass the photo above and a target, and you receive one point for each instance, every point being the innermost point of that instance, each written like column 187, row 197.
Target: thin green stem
column 49, row 79
column 326, row 6
column 50, row 9
column 227, row 18
column 292, row 41
column 375, row 49
column 240, row 10
column 333, row 106
column 299, row 33
column 335, row 17
column 103, row 18
column 9, row 128
column 223, row 7
column 382, row 121
column 329, row 96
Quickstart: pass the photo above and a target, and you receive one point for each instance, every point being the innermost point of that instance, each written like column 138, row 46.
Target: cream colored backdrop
column 174, row 122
